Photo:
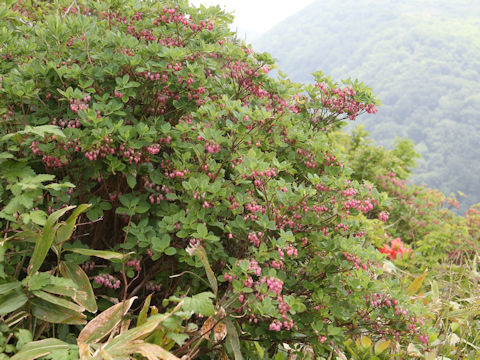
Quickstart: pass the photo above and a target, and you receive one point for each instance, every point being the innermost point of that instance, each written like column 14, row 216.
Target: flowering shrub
column 220, row 189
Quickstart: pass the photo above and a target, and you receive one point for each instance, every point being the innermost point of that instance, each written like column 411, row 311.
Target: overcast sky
column 257, row 16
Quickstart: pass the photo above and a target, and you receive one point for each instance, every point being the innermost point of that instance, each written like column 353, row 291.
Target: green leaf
column 200, row 252
column 58, row 301
column 6, row 288
column 74, row 272
column 131, row 181
column 131, row 335
column 12, row 301
column 42, row 130
column 104, row 254
column 45, row 242
column 39, row 217
column 170, row 251
column 66, row 229
column 6, row 155
column 38, row 281
column 24, row 336
column 200, row 304
column 202, row 231
column 233, row 339
column 50, row 312
column 142, row 316
column 36, row 349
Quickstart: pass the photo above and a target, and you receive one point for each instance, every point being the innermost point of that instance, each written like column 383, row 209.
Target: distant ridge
column 422, row 59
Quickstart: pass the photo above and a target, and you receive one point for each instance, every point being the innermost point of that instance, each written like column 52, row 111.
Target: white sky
column 257, row 16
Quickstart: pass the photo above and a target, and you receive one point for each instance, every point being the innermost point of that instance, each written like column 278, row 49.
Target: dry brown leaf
column 207, row 327
column 220, row 331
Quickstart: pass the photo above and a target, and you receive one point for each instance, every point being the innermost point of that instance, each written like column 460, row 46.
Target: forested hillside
column 421, row 57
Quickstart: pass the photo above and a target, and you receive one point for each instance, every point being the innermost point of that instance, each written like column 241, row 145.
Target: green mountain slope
column 422, row 59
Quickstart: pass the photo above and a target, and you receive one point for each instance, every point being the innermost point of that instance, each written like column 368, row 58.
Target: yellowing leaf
column 104, row 323
column 365, row 342
column 381, row 346
column 150, row 351
column 104, row 254
column 416, row 284
column 413, row 351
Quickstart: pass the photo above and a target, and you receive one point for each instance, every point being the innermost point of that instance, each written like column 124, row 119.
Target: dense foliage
column 151, row 170
column 421, row 58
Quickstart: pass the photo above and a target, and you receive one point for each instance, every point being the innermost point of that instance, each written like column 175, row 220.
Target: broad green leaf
column 53, row 313
column 42, row 130
column 66, row 229
column 62, row 290
column 233, row 339
column 202, row 231
column 45, row 242
column 416, row 284
column 24, row 336
column 58, row 301
column 38, row 281
column 104, row 323
column 6, row 288
column 6, row 155
column 104, row 254
column 12, row 301
column 200, row 304
column 131, row 181
column 36, row 349
column 39, row 217
column 77, row 275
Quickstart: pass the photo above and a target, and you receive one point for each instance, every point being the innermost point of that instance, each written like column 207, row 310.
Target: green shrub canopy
column 211, row 184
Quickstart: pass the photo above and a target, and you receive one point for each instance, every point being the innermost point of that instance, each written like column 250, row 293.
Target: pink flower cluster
column 212, row 147
column 151, row 286
column 383, row 216
column 80, row 105
column 255, row 237
column 363, row 206
column 135, row 263
column 356, row 261
column 107, row 280
column 275, row 285
column 342, row 101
